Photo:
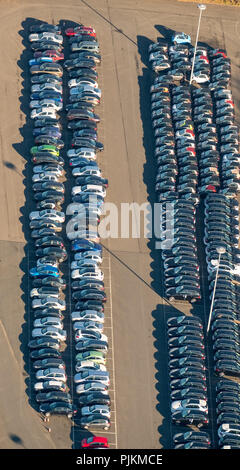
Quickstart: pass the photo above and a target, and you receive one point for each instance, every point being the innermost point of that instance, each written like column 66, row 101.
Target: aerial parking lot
column 136, row 311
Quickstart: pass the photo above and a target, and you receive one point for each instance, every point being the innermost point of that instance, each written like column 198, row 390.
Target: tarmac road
column 124, row 29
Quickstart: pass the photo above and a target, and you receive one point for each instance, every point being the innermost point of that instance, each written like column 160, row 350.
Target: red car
column 80, row 30
column 50, row 53
column 95, row 442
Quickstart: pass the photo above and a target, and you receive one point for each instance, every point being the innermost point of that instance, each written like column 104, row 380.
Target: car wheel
column 171, row 299
column 105, row 428
column 192, row 301
column 69, row 415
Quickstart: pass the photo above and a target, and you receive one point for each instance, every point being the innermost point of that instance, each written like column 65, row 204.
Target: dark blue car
column 81, row 244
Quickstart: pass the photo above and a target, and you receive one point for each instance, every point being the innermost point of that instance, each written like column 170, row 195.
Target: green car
column 45, row 148
column 95, row 356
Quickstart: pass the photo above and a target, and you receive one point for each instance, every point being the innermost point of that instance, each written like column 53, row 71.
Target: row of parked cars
column 176, row 178
column 46, row 221
column 196, row 141
column 88, row 190
column 188, row 390
column 222, row 231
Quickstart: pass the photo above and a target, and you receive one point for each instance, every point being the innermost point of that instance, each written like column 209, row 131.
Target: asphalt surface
column 137, row 312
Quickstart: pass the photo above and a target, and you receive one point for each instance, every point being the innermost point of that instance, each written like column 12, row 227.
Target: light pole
column 220, row 250
column 201, row 7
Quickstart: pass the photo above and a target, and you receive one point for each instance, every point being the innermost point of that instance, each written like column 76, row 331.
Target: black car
column 184, row 320
column 45, row 353
column 192, row 445
column 47, row 311
column 90, row 344
column 83, row 72
column 89, row 304
column 187, row 351
column 82, row 124
column 53, row 396
column 90, row 294
column 227, row 384
column 227, row 367
column 46, row 157
column 192, row 382
column 46, row 45
column 58, row 407
column 185, row 329
column 87, row 284
column 59, row 253
column 199, row 418
column 185, row 362
column 48, row 140
column 44, row 27
column 230, row 417
column 46, row 78
column 44, row 342
column 94, row 398
column 228, row 406
column 228, row 395
column 185, row 340
column 190, row 435
column 49, row 281
column 49, row 362
column 49, row 240
column 189, row 392
column 82, row 180
column 188, row 371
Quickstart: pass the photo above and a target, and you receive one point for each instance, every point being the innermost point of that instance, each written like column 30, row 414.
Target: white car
column 35, row 37
column 83, row 233
column 52, row 373
column 96, row 256
column 44, row 176
column 89, row 334
column 189, row 404
column 44, row 262
column 92, row 386
column 81, row 366
column 90, row 375
column 56, row 333
column 57, row 384
column 48, row 321
column 85, row 88
column 228, row 429
column 89, row 188
column 158, row 55
column 46, row 86
column 87, row 171
column 74, row 82
column 46, row 103
column 83, row 263
column 49, row 302
column 43, row 112
column 90, row 315
column 88, row 325
column 34, row 293
column 85, row 273
column 201, row 78
column 96, row 409
column 79, row 152
column 52, row 214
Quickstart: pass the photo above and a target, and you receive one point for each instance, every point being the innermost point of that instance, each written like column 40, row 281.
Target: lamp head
column 201, row 6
